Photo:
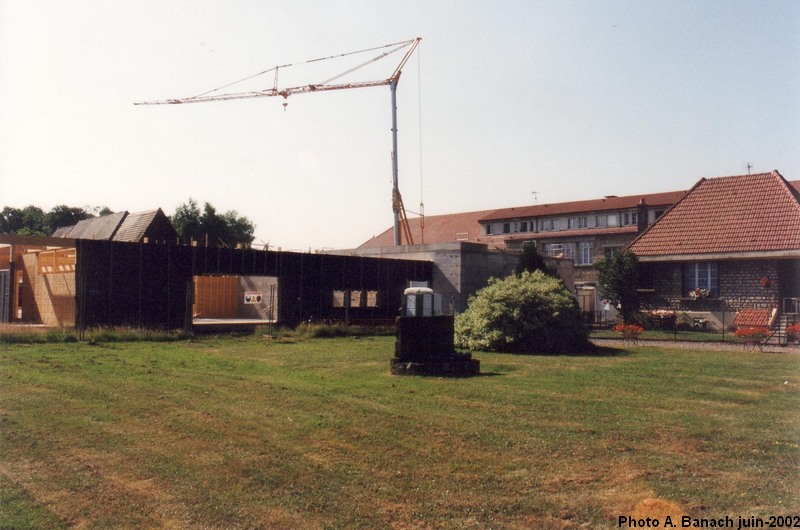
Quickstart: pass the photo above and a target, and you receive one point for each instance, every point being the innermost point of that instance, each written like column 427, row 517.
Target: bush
column 526, row 313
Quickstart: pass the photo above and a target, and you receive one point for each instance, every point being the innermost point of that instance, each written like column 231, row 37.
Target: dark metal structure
column 150, row 285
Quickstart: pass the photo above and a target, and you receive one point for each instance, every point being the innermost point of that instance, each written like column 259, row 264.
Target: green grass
column 688, row 336
column 294, row 433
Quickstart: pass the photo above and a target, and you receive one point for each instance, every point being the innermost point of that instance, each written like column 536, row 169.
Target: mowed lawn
column 250, row 433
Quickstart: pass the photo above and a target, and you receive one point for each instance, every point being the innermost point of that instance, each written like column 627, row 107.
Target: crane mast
column 401, row 226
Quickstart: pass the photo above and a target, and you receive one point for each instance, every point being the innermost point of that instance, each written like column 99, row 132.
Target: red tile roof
column 593, row 205
column 738, row 214
column 753, row 317
column 437, row 229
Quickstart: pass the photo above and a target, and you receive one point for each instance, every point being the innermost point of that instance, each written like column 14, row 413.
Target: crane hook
column 285, row 101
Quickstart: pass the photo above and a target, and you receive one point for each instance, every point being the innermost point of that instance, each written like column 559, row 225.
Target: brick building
column 731, row 243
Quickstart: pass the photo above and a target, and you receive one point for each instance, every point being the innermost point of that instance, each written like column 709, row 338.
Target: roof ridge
column 726, row 214
column 119, row 224
column 676, row 203
column 788, row 188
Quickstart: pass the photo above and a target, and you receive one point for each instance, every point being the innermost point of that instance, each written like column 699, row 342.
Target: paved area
column 720, row 346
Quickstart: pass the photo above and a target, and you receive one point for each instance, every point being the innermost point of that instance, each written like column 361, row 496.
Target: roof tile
column 746, row 213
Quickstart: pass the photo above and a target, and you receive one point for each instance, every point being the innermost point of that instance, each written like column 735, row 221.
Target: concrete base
column 424, row 346
column 457, row 364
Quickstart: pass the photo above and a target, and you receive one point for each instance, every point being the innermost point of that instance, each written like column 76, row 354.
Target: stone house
column 731, row 243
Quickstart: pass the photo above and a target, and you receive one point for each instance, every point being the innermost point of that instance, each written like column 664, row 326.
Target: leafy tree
column 239, row 229
column 26, row 221
column 33, row 221
column 618, row 281
column 186, row 221
column 63, row 215
column 526, row 313
column 530, row 260
column 227, row 229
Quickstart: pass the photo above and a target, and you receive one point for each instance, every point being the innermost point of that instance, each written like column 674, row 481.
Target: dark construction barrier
column 149, row 285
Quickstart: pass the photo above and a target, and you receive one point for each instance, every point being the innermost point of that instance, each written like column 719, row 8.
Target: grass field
column 250, row 433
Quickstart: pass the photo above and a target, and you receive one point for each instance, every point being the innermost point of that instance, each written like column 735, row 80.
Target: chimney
column 641, row 216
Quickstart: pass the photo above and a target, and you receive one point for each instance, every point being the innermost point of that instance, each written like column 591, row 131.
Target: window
column 348, row 298
column 555, row 224
column 489, row 229
column 629, row 218
column 555, row 249
column 572, row 223
column 583, row 222
column 506, row 228
column 560, row 250
column 610, row 252
column 585, row 253
column 702, row 275
column 372, row 298
column 338, row 298
column 612, row 219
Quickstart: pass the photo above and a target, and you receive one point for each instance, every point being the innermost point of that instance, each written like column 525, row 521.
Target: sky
column 504, row 103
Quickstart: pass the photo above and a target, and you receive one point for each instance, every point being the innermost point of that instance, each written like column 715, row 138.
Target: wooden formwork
column 216, row 297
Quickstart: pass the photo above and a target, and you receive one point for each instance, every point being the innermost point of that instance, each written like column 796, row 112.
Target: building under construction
column 86, row 283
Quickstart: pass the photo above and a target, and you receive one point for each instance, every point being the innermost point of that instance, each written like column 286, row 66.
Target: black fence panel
column 149, row 285
column 131, row 284
column 6, row 294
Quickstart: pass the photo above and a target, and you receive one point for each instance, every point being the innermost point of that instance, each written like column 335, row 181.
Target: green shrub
column 526, row 313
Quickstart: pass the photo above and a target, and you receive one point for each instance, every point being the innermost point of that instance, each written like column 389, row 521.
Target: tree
column 63, row 215
column 526, row 313
column 33, row 221
column 228, row 229
column 618, row 281
column 186, row 221
column 239, row 229
column 530, row 260
column 28, row 221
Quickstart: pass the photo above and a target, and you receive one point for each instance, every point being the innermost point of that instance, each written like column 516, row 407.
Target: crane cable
column 398, row 46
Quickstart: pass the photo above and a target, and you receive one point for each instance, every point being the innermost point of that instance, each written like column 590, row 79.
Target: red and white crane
column 401, row 227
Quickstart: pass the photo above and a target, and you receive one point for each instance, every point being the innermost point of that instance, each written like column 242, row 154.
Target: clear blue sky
column 570, row 99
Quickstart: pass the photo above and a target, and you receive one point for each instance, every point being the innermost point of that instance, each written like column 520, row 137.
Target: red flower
column 751, row 333
column 629, row 329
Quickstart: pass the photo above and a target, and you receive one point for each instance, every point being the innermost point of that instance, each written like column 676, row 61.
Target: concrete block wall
column 462, row 268
column 740, row 284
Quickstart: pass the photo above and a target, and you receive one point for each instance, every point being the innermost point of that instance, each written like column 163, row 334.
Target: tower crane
column 401, row 226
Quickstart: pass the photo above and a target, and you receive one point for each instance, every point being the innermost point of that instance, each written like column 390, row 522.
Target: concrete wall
column 461, row 268
column 260, row 310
